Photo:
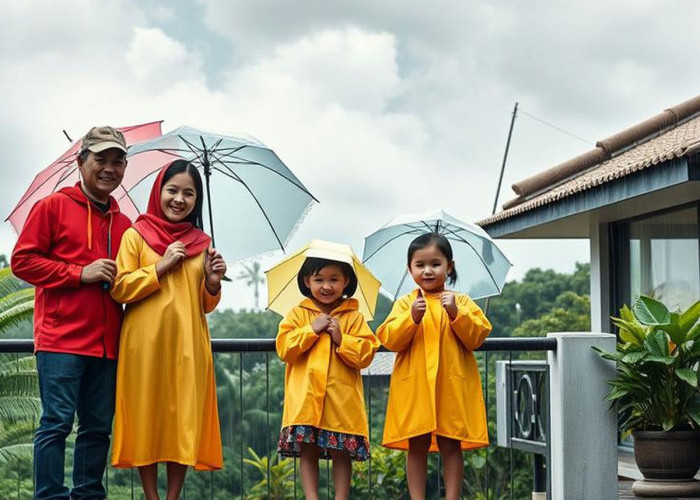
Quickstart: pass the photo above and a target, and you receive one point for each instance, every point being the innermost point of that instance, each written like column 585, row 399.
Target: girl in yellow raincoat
column 435, row 398
column 325, row 341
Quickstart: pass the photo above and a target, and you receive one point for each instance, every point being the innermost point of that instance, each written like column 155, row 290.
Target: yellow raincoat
column 166, row 408
column 322, row 382
column 435, row 387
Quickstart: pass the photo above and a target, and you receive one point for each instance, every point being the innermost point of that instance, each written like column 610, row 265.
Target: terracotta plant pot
column 668, row 455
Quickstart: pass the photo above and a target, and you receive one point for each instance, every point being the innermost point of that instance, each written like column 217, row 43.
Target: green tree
column 254, row 278
column 19, row 402
column 570, row 312
column 536, row 295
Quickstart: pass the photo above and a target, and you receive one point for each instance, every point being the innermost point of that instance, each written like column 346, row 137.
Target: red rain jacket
column 64, row 233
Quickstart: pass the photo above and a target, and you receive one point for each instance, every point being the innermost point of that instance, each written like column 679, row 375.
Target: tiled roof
column 629, row 151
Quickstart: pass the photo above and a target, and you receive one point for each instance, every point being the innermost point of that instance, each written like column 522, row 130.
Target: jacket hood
column 347, row 305
column 76, row 193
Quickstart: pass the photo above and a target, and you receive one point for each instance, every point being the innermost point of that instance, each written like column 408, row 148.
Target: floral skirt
column 291, row 438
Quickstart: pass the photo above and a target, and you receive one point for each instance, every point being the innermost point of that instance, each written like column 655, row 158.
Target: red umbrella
column 64, row 172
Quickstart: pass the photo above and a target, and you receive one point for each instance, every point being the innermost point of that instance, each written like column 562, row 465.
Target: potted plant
column 656, row 387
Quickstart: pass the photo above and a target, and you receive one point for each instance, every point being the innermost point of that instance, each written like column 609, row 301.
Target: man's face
column 102, row 172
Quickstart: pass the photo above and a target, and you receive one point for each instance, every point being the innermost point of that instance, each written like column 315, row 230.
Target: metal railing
column 250, row 381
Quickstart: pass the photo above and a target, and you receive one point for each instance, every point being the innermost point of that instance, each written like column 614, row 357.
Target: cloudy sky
column 381, row 107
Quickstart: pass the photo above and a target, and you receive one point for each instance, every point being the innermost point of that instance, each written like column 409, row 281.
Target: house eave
column 670, row 183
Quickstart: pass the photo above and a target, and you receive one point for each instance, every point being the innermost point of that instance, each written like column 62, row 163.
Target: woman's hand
column 447, row 299
column 214, row 271
column 174, row 255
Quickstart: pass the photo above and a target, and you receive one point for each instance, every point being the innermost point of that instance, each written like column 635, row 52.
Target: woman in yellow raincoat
column 435, row 398
column 325, row 341
column 168, row 277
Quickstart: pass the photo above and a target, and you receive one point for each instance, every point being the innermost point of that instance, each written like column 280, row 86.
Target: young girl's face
column 429, row 268
column 178, row 196
column 327, row 284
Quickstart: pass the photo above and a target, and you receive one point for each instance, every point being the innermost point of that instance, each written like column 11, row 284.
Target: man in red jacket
column 66, row 250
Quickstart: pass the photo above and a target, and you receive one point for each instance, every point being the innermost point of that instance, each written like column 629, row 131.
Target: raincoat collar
column 346, row 306
column 414, row 293
column 76, row 193
column 159, row 232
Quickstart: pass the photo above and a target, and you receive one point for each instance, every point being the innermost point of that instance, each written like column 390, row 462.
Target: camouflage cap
column 101, row 138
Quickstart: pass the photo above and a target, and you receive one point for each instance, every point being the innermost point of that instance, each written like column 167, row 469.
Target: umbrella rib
column 191, row 145
column 430, row 229
column 67, row 173
column 403, row 278
column 168, row 151
column 243, row 161
column 231, row 153
column 269, row 222
column 58, row 171
column 199, row 153
column 213, row 151
column 362, row 292
column 478, row 255
column 230, row 175
column 282, row 290
column 126, row 193
column 412, row 231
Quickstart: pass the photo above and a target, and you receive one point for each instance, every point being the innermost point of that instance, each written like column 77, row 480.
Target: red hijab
column 159, row 232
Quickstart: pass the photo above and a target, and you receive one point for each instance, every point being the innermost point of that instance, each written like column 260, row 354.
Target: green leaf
column 693, row 333
column 651, row 312
column 634, row 357
column 666, row 360
column 689, row 317
column 668, row 425
column 630, row 330
column 657, row 344
column 688, row 375
column 694, row 409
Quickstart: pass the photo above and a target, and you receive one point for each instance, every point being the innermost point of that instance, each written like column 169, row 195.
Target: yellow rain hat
column 283, row 290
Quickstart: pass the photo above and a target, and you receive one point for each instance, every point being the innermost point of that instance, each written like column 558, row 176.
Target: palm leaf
column 16, row 452
column 15, row 408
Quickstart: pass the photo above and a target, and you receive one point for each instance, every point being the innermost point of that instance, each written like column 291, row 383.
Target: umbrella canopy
column 64, row 172
column 482, row 267
column 282, row 289
column 251, row 198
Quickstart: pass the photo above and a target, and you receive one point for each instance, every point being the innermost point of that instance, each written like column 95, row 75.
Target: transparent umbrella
column 252, row 198
column 482, row 267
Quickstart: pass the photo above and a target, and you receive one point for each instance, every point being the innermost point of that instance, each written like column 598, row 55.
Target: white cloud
column 159, row 61
column 380, row 108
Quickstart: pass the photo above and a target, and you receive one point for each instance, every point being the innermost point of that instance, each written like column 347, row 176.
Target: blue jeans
column 70, row 384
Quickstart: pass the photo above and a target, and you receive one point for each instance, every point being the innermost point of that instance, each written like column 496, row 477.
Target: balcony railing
column 250, row 385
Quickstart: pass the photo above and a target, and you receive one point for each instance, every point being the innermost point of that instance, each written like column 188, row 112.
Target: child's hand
column 321, row 323
column 418, row 308
column 334, row 330
column 214, row 270
column 449, row 304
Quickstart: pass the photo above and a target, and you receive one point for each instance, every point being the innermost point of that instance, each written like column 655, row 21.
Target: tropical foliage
column 656, row 386
column 19, row 403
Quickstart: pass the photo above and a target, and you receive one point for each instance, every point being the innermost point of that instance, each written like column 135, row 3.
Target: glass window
column 663, row 258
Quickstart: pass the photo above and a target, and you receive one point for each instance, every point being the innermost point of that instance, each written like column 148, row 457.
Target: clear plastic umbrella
column 481, row 266
column 252, row 198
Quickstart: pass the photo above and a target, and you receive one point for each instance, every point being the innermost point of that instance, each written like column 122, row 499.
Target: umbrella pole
column 207, row 174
